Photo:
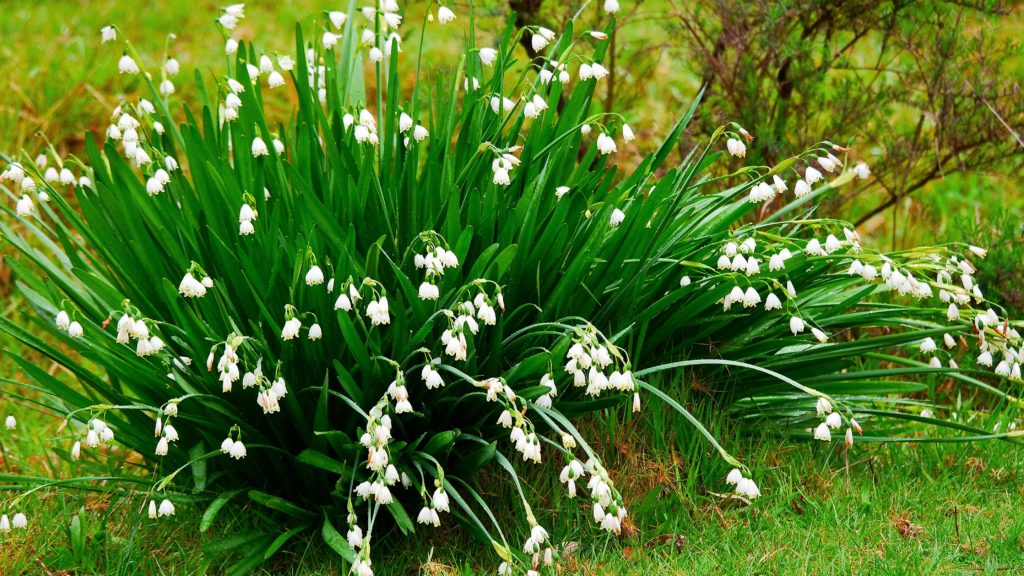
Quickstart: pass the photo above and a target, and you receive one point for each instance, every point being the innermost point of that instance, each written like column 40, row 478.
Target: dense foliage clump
column 357, row 311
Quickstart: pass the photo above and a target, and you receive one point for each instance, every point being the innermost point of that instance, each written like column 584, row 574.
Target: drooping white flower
column 10, row 423
column 171, row 66
column 606, row 144
column 428, row 516
column 355, row 536
column 538, row 42
column 928, row 345
column 429, row 291
column 501, row 105
column 747, row 488
column 337, row 19
column 108, row 34
column 753, row 267
column 75, row 330
column 819, row 335
column 445, row 15
column 611, row 6
column 166, row 508
column 275, row 79
column 431, row 377
column 259, row 147
column 169, row 432
column 862, row 171
column 814, row 248
column 343, row 303
column 405, row 122
column 63, row 320
column 126, row 65
column 949, row 341
column 377, row 311
column 834, row 420
column 285, row 62
column 751, row 298
column 823, row 433
column 154, row 186
column 772, row 302
column 315, row 332
column 488, row 56
column 25, row 206
column 796, row 325
column 237, row 450
column 501, row 177
column 761, row 192
column 617, row 217
column 736, row 147
column 315, row 276
column 189, row 287
column 19, row 521
column 291, row 329
column 627, row 134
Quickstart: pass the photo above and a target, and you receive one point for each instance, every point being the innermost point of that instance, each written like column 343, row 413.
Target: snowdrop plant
column 462, row 273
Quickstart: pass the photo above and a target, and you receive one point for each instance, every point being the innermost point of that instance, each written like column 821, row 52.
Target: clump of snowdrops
column 348, row 316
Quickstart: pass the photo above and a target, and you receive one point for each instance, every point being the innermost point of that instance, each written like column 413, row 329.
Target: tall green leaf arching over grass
column 366, row 305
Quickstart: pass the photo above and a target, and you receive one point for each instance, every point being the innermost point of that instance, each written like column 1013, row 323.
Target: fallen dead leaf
column 677, row 540
column 905, row 527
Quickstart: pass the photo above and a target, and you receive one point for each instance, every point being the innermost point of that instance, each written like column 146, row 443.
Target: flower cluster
column 745, row 487
column 609, row 510
column 375, row 439
column 19, row 522
column 503, row 165
column 833, row 421
column 131, row 325
column 463, row 318
column 589, row 359
column 433, row 262
column 190, row 287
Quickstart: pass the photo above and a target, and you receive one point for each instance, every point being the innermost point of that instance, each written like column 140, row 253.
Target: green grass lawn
column 893, row 509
